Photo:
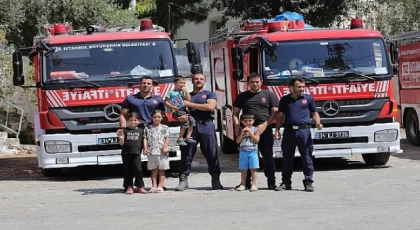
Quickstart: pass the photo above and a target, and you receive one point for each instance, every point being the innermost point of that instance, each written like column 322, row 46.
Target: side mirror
column 237, row 62
column 393, row 52
column 193, row 53
column 17, row 63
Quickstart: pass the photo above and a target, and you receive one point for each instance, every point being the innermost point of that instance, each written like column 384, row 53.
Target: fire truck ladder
column 7, row 125
column 407, row 37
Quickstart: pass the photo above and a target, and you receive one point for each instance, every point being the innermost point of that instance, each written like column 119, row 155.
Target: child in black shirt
column 131, row 141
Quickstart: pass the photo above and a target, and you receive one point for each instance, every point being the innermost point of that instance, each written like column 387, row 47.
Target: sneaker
column 240, row 188
column 181, row 143
column 141, row 190
column 129, row 191
column 284, row 186
column 246, row 187
column 307, row 184
column 190, row 140
column 253, row 189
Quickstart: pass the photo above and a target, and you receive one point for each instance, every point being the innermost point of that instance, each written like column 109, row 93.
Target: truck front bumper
column 377, row 138
column 85, row 150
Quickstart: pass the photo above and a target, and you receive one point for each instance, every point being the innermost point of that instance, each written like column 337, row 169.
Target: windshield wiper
column 89, row 83
column 347, row 75
column 126, row 76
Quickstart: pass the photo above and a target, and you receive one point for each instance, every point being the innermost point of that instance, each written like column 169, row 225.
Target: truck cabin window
column 327, row 59
column 103, row 61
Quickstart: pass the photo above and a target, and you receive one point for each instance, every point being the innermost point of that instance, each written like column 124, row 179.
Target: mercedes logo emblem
column 112, row 112
column 331, row 108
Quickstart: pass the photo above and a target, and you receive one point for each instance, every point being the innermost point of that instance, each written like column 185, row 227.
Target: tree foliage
column 22, row 19
column 316, row 12
column 398, row 16
column 181, row 11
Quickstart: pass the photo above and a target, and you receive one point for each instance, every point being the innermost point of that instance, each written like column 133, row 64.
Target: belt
column 296, row 127
column 203, row 121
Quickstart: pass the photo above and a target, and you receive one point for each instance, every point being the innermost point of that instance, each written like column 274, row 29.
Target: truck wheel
column 412, row 128
column 51, row 172
column 376, row 158
column 227, row 145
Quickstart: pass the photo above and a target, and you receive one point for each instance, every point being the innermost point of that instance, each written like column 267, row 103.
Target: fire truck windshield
column 329, row 59
column 109, row 61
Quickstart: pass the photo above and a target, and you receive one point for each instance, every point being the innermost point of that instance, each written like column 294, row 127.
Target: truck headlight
column 173, row 137
column 386, row 135
column 57, row 147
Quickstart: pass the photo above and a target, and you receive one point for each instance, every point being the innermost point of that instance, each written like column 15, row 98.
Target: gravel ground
column 349, row 195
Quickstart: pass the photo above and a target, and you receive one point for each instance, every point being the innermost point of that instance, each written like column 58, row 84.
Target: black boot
column 183, row 183
column 215, row 183
column 308, row 185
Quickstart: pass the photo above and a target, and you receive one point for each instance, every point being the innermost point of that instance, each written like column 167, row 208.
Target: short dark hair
column 179, row 77
column 247, row 116
column 157, row 111
column 146, row 77
column 199, row 74
column 133, row 115
column 254, row 75
column 292, row 82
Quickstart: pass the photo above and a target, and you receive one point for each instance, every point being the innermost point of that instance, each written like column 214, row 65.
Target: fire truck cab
column 82, row 77
column 348, row 71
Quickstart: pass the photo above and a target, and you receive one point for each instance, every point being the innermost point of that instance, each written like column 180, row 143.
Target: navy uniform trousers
column 303, row 140
column 205, row 134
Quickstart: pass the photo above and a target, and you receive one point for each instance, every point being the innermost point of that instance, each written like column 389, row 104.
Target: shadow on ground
column 410, row 152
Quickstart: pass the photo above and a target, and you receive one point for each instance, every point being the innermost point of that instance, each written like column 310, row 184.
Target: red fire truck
column 406, row 53
column 348, row 71
column 81, row 80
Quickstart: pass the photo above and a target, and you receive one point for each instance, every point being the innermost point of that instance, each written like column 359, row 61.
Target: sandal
column 159, row 190
column 152, row 190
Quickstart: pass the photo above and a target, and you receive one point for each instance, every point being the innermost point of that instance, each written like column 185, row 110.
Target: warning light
column 146, row 24
column 356, row 23
column 59, row 29
column 91, row 29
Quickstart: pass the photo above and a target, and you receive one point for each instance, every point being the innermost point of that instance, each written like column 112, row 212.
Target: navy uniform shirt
column 201, row 98
column 297, row 111
column 143, row 106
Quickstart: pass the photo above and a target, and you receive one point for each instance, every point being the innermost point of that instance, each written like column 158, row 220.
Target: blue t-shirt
column 201, row 98
column 176, row 98
column 143, row 106
column 297, row 111
column 247, row 144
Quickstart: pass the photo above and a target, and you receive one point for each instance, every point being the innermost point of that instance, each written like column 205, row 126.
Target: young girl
column 131, row 141
column 156, row 142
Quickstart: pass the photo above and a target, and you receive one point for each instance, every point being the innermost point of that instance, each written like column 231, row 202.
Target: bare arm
column 316, row 118
column 236, row 112
column 166, row 143
column 280, row 120
column 239, row 138
column 209, row 106
column 168, row 104
column 123, row 114
column 145, row 147
column 122, row 139
column 187, row 94
column 254, row 137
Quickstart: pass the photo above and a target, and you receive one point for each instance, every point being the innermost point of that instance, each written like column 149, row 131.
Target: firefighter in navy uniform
column 202, row 106
column 263, row 105
column 296, row 111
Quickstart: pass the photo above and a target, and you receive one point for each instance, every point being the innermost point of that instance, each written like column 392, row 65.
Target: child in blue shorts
column 248, row 154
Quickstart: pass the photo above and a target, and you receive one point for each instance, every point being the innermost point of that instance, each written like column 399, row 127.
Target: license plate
column 108, row 140
column 332, row 135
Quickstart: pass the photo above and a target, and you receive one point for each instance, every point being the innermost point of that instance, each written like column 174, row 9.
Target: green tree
column 181, row 11
column 316, row 12
column 398, row 16
column 23, row 19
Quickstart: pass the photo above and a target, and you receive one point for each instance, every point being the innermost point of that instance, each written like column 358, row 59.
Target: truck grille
column 348, row 102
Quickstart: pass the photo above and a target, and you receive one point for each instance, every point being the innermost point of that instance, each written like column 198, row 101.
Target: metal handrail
column 7, row 118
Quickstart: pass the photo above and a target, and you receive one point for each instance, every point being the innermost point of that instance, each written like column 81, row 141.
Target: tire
column 227, row 145
column 412, row 128
column 376, row 158
column 51, row 172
